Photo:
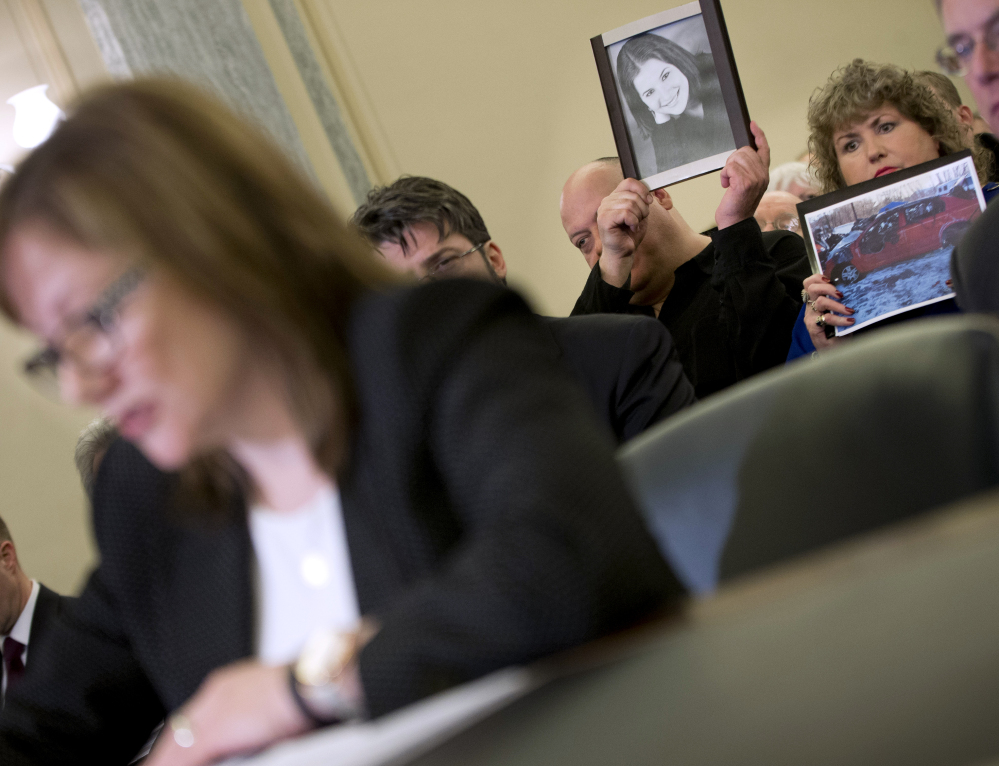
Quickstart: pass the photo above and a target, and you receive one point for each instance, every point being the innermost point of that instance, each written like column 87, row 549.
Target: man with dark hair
column 27, row 608
column 729, row 300
column 627, row 365
column 945, row 90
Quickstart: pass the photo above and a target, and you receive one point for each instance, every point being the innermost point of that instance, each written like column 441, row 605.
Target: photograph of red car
column 888, row 248
column 902, row 233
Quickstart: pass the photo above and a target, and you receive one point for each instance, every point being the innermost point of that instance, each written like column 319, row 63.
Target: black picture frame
column 833, row 226
column 627, row 138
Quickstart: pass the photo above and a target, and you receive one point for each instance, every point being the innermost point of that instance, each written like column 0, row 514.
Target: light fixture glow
column 35, row 116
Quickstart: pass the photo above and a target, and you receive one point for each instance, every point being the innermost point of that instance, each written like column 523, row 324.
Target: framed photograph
column 673, row 94
column 886, row 243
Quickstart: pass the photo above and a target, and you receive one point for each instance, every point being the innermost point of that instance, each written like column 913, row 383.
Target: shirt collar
column 21, row 631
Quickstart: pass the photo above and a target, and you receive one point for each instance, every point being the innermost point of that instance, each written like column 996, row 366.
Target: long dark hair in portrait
column 702, row 129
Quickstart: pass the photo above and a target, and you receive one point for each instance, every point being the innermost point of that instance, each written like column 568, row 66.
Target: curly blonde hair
column 860, row 87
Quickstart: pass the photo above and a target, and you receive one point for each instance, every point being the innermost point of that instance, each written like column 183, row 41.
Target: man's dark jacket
column 627, row 365
column 48, row 606
column 731, row 309
column 487, row 523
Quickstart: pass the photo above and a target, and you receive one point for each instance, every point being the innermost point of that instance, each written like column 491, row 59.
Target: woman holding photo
column 339, row 493
column 675, row 98
column 870, row 120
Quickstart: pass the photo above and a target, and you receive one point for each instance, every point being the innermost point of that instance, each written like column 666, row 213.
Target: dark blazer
column 732, row 306
column 627, row 365
column 487, row 521
column 48, row 607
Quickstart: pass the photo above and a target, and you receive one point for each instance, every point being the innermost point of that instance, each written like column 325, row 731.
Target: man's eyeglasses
column 90, row 342
column 953, row 57
column 447, row 264
column 783, row 222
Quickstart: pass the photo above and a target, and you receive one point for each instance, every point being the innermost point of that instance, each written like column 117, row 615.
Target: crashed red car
column 901, row 233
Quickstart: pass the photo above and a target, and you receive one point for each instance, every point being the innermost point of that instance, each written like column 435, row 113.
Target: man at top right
column 972, row 50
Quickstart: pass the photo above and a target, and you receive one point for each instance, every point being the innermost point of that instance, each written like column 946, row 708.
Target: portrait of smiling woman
column 335, row 493
column 675, row 99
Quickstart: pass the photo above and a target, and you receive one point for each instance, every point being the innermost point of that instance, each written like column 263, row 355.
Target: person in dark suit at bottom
column 626, row 364
column 339, row 493
column 27, row 610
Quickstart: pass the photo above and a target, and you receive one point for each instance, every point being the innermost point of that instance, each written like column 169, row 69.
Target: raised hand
column 745, row 178
column 622, row 220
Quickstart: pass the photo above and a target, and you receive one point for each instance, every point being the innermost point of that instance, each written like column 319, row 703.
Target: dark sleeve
column 599, row 297
column 84, row 692
column 552, row 551
column 651, row 385
column 759, row 277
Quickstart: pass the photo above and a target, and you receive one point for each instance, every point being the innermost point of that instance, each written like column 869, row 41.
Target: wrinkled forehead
column 770, row 207
column 966, row 16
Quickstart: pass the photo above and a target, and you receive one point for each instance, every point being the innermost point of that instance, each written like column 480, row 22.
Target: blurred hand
column 745, row 177
column 622, row 220
column 240, row 708
column 824, row 300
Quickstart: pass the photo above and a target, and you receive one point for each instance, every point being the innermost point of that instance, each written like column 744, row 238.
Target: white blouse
column 304, row 576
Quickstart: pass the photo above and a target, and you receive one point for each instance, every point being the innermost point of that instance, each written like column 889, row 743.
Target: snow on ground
column 902, row 284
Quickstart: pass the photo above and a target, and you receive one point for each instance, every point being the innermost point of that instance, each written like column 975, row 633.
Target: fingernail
column 839, row 294
column 850, row 311
column 851, row 320
column 826, row 279
column 649, row 199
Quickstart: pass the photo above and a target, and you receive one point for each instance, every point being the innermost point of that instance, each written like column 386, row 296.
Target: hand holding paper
column 745, row 177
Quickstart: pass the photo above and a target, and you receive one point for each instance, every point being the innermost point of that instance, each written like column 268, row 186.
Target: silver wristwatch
column 317, row 677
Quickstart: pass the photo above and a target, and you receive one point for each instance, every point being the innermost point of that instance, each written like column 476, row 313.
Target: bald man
column 778, row 211
column 729, row 300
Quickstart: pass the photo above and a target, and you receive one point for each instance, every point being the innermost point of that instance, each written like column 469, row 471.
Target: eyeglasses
column 91, row 342
column 447, row 264
column 953, row 57
column 783, row 222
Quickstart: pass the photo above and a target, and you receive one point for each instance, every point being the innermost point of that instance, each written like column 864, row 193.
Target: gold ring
column 183, row 732
column 821, row 321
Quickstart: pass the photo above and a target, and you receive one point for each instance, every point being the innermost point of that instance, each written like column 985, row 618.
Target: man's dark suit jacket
column 731, row 309
column 627, row 365
column 48, row 606
column 486, row 519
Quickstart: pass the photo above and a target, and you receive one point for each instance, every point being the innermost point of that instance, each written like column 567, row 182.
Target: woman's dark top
column 487, row 522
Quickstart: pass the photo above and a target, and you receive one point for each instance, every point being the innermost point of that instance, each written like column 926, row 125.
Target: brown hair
column 856, row 90
column 940, row 84
column 163, row 173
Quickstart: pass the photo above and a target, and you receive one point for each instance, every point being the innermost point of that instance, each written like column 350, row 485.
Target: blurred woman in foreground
column 867, row 121
column 308, row 444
